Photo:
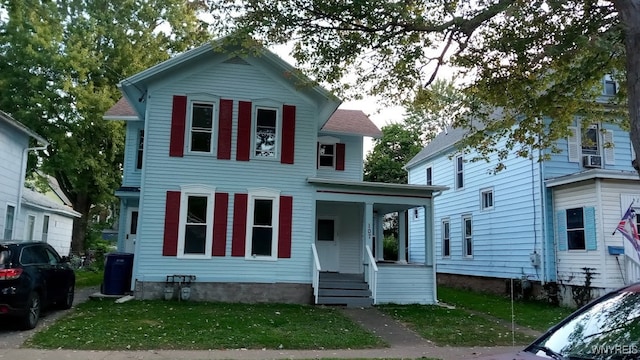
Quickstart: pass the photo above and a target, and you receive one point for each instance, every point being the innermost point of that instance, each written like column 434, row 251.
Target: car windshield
column 607, row 329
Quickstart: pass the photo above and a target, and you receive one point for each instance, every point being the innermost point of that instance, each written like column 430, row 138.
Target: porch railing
column 315, row 272
column 633, row 271
column 371, row 273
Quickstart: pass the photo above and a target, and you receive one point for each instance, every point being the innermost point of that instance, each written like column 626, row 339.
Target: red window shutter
column 178, row 120
column 239, row 224
column 288, row 134
column 340, row 150
column 284, row 226
column 220, row 224
column 171, row 224
column 243, row 146
column 225, row 122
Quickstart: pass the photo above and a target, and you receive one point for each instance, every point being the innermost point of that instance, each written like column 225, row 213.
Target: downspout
column 23, row 174
column 543, row 220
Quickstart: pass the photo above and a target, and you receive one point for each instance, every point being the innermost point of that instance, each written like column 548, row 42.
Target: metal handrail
column 315, row 272
column 372, row 270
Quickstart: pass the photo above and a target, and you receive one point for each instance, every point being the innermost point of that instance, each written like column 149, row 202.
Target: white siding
column 405, row 284
column 60, row 229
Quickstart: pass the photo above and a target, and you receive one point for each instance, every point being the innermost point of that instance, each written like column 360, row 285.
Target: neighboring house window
column 590, row 143
column 486, row 199
column 8, row 222
column 45, row 228
column 266, row 133
column 140, row 149
column 196, row 222
column 446, row 238
column 610, row 87
column 467, row 239
column 201, row 126
column 429, row 176
column 459, row 172
column 326, row 155
column 31, row 224
column 262, row 224
column 575, row 229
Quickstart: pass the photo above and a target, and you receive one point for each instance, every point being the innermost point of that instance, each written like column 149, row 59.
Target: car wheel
column 67, row 302
column 32, row 316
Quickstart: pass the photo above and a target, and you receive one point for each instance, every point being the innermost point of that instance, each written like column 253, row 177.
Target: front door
column 132, row 230
column 327, row 244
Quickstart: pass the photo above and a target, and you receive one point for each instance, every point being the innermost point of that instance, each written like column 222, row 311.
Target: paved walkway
column 403, row 344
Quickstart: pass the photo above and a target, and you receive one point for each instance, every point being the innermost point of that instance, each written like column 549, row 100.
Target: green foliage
column 536, row 60
column 150, row 325
column 394, row 149
column 390, row 248
column 89, row 278
column 61, row 63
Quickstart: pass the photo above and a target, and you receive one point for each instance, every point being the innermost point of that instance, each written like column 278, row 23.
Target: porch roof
column 592, row 174
column 359, row 188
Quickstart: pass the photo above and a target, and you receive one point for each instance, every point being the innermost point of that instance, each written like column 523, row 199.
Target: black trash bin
column 118, row 268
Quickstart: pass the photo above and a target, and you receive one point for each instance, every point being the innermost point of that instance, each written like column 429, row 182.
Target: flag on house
column 629, row 229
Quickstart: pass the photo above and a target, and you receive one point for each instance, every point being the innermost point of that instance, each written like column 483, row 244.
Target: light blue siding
column 352, row 161
column 12, row 144
column 501, row 247
column 405, row 284
column 131, row 175
column 163, row 173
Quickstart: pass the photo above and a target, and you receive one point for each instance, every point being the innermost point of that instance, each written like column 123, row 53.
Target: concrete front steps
column 344, row 289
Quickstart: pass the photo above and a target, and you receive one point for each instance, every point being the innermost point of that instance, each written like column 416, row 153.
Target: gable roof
column 20, row 127
column 351, row 122
column 441, row 142
column 40, row 201
column 135, row 87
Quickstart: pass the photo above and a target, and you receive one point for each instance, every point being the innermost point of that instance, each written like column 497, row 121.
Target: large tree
column 536, row 59
column 390, row 153
column 61, row 61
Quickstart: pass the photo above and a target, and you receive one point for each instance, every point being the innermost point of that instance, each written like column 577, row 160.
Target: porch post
column 368, row 225
column 402, row 235
column 429, row 243
column 379, row 236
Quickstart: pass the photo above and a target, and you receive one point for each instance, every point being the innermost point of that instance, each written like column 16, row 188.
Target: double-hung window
column 196, row 222
column 467, row 239
column 140, row 149
column 8, row 222
column 201, row 126
column 266, row 132
column 590, row 141
column 262, row 224
column 429, row 175
column 459, row 163
column 575, row 229
column 327, row 155
column 486, row 199
column 446, row 238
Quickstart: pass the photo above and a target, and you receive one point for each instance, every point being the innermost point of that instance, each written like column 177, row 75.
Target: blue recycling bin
column 118, row 268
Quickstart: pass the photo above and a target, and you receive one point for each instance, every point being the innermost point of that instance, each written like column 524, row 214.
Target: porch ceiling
column 386, row 197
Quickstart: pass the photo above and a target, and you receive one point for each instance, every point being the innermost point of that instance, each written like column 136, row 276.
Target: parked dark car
column 33, row 277
column 608, row 328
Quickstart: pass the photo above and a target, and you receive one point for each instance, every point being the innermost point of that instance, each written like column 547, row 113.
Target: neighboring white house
column 24, row 213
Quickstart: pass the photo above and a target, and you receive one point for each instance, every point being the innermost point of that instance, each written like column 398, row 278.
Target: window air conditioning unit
column 592, row 161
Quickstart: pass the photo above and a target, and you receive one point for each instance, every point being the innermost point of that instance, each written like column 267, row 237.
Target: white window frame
column 443, row 237
column 577, row 229
column 266, row 105
column 598, row 144
column 427, row 170
column 607, row 79
column 139, row 150
column 262, row 194
column 202, row 99
column 201, row 191
column 13, row 221
column 483, row 205
column 46, row 222
column 30, row 227
column 467, row 239
column 458, row 172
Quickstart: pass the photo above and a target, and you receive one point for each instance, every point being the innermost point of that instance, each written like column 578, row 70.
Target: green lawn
column 532, row 314
column 142, row 325
column 88, row 278
column 454, row 327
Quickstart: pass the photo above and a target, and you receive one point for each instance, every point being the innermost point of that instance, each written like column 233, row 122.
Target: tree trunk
column 80, row 225
column 629, row 11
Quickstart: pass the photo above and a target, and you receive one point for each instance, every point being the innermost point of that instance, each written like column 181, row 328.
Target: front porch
column 349, row 267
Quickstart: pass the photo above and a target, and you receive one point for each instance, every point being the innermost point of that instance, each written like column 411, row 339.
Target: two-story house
column 25, row 214
column 547, row 223
column 242, row 177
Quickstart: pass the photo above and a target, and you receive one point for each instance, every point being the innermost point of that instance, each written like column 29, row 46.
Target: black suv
column 33, row 277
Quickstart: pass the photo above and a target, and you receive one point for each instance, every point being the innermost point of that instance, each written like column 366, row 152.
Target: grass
column 532, row 314
column 454, row 327
column 88, row 278
column 144, row 325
